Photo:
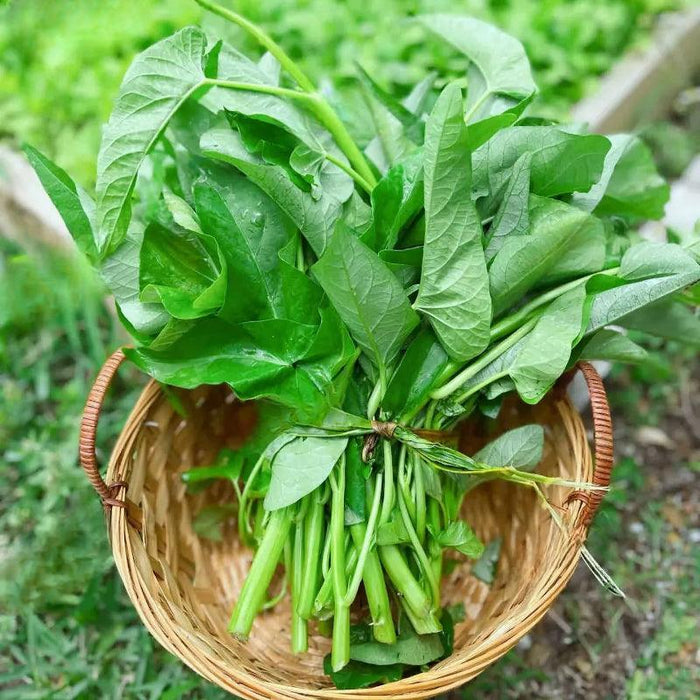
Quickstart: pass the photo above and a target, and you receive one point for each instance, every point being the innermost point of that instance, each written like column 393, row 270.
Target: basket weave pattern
column 184, row 586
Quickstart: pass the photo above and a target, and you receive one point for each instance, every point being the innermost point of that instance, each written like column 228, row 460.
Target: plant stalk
column 255, row 586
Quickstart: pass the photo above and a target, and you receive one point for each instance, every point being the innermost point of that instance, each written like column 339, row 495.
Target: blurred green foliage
column 61, row 62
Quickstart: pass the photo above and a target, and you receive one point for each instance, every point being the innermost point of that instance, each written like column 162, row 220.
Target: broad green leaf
column 158, row 81
column 254, row 235
column 120, row 272
column 486, row 567
column 667, row 319
column 315, row 217
column 419, row 368
column 537, row 360
column 520, row 448
column 410, row 649
column 653, row 259
column 233, row 66
column 458, row 535
column 561, row 162
column 611, row 305
column 355, row 674
column 396, row 200
column 405, row 263
column 630, row 185
column 613, row 346
column 499, row 75
column 300, row 466
column 513, row 216
column 74, row 204
column 182, row 270
column 182, row 213
column 393, row 531
column 324, row 177
column 523, row 261
column 367, row 296
column 412, row 124
column 480, row 132
column 291, row 363
column 546, row 350
column 454, row 285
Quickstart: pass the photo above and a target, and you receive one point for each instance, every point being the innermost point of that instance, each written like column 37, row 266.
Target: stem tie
column 380, row 429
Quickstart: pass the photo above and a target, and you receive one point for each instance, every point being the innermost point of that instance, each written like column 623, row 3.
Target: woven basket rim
column 440, row 678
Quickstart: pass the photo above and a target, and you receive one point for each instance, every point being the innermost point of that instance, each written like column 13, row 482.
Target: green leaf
column 367, row 296
column 611, row 305
column 120, row 272
column 499, row 75
column 613, row 346
column 410, row 649
column 653, row 259
column 158, row 81
column 453, row 292
column 513, row 216
column 630, row 185
column 315, row 218
column 74, row 204
column 561, row 162
column 254, row 236
column 301, row 466
column 179, row 269
column 405, row 263
column 356, row 674
column 545, row 351
column 667, row 319
column 520, row 448
column 458, row 535
column 537, row 360
column 291, row 363
column 393, row 531
column 524, row 261
column 419, row 368
column 412, row 124
column 485, row 568
column 396, row 200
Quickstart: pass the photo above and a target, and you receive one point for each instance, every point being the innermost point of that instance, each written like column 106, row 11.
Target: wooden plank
column 642, row 86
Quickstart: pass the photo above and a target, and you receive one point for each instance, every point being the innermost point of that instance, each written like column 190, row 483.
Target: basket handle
column 602, row 438
column 88, row 431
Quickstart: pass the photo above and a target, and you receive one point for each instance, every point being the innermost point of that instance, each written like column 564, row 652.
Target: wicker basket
column 184, row 587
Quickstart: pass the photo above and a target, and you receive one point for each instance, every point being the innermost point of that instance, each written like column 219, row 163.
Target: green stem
column 388, row 500
column 510, row 323
column 375, row 590
column 456, row 382
column 365, row 545
column 299, row 624
column 420, row 553
column 244, row 531
column 264, row 40
column 419, row 496
column 275, row 90
column 327, row 116
column 476, row 106
column 325, row 593
column 262, row 570
column 340, row 652
column 405, row 582
column 352, row 173
column 313, row 542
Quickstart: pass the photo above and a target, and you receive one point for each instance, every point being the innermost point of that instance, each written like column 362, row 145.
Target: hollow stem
column 255, row 586
column 264, row 39
column 299, row 624
column 388, row 500
column 340, row 653
column 311, row 570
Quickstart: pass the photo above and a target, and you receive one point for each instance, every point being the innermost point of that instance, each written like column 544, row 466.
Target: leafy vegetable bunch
column 366, row 299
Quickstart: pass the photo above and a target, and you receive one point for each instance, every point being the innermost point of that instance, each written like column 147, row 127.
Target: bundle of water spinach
column 369, row 296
